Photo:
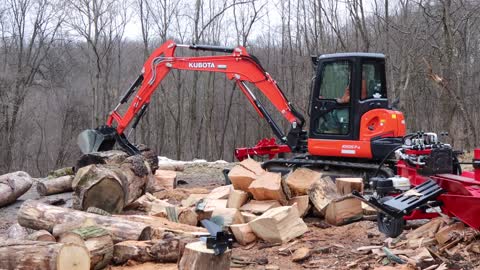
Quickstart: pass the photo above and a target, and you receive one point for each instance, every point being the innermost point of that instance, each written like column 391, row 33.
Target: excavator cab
column 350, row 114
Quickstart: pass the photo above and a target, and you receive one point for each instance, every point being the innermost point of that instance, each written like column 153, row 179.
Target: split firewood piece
column 259, row 207
column 241, row 178
column 40, row 216
column 162, row 180
column 55, row 185
column 150, row 204
column 61, row 172
column 41, row 235
column 192, row 200
column 428, row 229
column 197, row 256
column 368, row 210
column 301, row 254
column 302, row 203
column 13, row 185
column 300, row 181
column 253, row 166
column 268, row 186
column 24, row 254
column 110, row 188
column 243, row 233
column 450, row 232
column 221, row 192
column 205, row 208
column 345, row 186
column 247, row 216
column 228, row 216
column 97, row 241
column 279, row 225
column 163, row 251
column 237, row 198
column 343, row 210
column 322, row 193
column 17, row 232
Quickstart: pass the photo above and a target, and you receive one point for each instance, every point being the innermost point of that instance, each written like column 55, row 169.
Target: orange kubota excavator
column 352, row 126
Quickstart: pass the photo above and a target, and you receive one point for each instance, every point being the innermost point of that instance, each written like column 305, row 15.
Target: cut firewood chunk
column 252, row 165
column 243, row 233
column 197, row 256
column 97, row 241
column 300, row 181
column 221, row 192
column 247, row 216
column 193, row 199
column 268, row 186
column 321, row 193
column 150, row 204
column 229, row 216
column 55, row 185
column 13, row 185
column 208, row 206
column 450, row 232
column 302, row 203
column 237, row 198
column 343, row 210
column 162, row 180
column 345, row 186
column 259, row 207
column 279, row 225
column 241, row 178
column 23, row 254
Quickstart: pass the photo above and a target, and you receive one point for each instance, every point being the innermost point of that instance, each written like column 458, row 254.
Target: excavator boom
column 237, row 65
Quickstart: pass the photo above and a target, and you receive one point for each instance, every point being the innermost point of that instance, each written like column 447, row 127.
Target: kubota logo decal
column 201, row 65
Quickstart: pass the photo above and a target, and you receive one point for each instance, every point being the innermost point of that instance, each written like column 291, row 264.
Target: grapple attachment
column 96, row 140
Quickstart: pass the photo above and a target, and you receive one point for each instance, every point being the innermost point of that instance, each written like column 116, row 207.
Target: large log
column 40, row 216
column 110, row 187
column 55, row 185
column 163, row 250
column 160, row 226
column 13, row 185
column 197, row 256
column 97, row 241
column 26, row 255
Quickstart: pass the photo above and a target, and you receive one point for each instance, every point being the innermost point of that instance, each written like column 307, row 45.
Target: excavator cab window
column 372, row 81
column 335, row 86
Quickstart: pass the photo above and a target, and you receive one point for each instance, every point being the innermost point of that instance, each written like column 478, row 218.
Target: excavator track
column 341, row 167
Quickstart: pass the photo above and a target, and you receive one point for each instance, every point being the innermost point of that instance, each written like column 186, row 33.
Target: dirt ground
column 333, row 247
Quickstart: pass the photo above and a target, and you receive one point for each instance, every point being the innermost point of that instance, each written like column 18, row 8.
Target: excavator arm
column 237, row 65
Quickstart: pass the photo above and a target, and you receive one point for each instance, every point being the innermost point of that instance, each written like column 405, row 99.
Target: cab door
column 332, row 100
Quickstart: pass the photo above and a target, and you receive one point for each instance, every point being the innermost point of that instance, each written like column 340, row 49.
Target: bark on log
column 110, row 187
column 13, row 185
column 17, row 232
column 62, row 228
column 97, row 241
column 26, row 255
column 55, row 185
column 41, row 235
column 162, row 250
column 39, row 216
column 196, row 256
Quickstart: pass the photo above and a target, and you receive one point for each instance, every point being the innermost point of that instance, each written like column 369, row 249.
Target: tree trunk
column 13, row 185
column 196, row 256
column 110, row 187
column 39, row 216
column 97, row 241
column 162, row 251
column 24, row 255
column 56, row 185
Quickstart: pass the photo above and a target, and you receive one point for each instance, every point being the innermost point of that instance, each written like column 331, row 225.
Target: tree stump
column 24, row 255
column 97, row 241
column 13, row 185
column 55, row 185
column 196, row 256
